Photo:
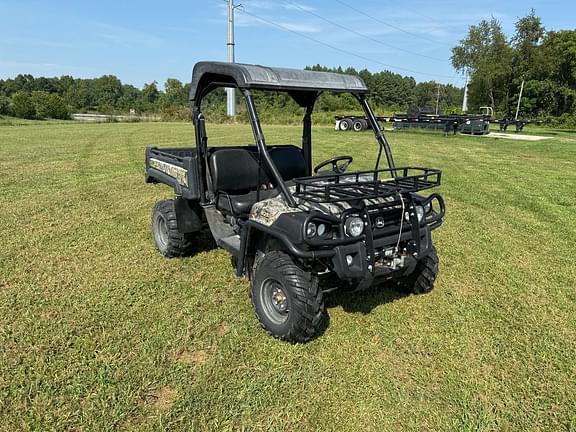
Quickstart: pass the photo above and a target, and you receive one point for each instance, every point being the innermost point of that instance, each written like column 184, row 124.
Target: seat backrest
column 289, row 161
column 233, row 170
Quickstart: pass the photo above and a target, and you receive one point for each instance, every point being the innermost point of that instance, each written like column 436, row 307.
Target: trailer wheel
column 169, row 241
column 421, row 281
column 358, row 125
column 287, row 300
column 345, row 124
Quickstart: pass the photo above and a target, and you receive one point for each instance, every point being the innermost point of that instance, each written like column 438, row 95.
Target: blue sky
column 144, row 41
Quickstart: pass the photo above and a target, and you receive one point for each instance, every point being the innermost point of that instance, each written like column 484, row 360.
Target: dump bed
column 176, row 167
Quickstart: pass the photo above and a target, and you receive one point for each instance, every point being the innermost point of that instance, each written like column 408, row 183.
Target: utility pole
column 519, row 100
column 465, row 100
column 230, row 92
column 437, row 98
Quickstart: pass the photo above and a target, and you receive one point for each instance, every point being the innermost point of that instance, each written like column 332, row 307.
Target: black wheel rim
column 275, row 301
column 161, row 231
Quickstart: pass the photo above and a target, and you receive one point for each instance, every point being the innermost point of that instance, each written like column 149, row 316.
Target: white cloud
column 27, row 65
column 36, row 42
column 298, row 7
column 127, row 37
column 243, row 20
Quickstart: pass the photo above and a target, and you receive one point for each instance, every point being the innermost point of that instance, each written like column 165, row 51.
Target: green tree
column 150, row 93
column 22, row 105
column 58, row 108
column 556, row 59
column 130, row 98
column 527, row 39
column 106, row 90
column 4, row 105
column 486, row 55
column 174, row 94
column 41, row 102
column 49, row 105
column 79, row 96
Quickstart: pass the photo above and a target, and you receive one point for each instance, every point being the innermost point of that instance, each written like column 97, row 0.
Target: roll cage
column 304, row 87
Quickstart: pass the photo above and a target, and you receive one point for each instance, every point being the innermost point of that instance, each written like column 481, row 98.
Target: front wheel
column 421, row 281
column 286, row 299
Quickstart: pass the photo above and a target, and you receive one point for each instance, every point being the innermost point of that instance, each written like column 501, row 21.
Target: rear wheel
column 359, row 125
column 345, row 124
column 421, row 281
column 286, row 299
column 169, row 241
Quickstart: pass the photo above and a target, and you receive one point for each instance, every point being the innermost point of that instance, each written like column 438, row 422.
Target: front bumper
column 360, row 264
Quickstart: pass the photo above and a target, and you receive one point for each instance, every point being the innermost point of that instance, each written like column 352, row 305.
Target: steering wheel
column 337, row 168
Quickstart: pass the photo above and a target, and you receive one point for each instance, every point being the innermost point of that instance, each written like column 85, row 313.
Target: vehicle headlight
column 419, row 213
column 354, row 226
column 311, row 229
column 428, row 208
column 321, row 230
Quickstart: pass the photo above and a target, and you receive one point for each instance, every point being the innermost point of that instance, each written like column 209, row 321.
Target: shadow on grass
column 365, row 301
column 557, row 131
column 204, row 241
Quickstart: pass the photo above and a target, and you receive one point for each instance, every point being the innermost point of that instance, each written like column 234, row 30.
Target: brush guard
column 365, row 185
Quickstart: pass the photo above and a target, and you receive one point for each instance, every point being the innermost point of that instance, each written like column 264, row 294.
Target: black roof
column 207, row 75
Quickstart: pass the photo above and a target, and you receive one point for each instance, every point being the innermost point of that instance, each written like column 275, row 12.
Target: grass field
column 98, row 332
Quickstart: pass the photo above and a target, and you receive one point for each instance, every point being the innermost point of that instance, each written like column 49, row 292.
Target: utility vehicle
column 294, row 231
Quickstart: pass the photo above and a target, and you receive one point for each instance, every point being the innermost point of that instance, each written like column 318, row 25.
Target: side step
column 231, row 244
column 222, row 232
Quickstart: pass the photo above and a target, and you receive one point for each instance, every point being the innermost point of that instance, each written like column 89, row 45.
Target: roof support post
column 201, row 144
column 307, row 139
column 261, row 144
column 379, row 135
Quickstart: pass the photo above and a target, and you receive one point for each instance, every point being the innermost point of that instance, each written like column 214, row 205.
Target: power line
column 363, row 35
column 429, row 18
column 335, row 48
column 416, row 35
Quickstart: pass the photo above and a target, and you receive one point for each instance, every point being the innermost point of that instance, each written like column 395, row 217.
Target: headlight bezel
column 311, row 229
column 354, row 226
column 420, row 213
column 318, row 229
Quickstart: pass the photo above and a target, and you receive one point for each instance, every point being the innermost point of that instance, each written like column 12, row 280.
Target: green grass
column 99, row 332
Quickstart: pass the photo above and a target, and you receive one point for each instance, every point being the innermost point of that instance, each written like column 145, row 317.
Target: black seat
column 235, row 179
column 290, row 162
column 233, row 170
column 240, row 205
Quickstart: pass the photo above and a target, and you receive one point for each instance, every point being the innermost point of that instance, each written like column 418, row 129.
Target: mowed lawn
column 99, row 332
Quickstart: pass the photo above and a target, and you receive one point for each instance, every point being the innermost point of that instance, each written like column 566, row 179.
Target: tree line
column 32, row 97
column 497, row 65
column 27, row 96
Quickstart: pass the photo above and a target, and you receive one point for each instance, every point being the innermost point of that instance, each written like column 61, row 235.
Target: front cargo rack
column 362, row 185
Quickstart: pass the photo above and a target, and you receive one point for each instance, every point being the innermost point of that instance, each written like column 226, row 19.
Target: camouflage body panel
column 269, row 210
column 179, row 173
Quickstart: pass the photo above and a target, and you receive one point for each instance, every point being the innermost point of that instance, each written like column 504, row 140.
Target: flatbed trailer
column 477, row 124
column 518, row 123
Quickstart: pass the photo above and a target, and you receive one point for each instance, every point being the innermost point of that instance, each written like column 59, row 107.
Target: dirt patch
column 222, row 329
column 516, row 136
column 190, row 357
column 163, row 398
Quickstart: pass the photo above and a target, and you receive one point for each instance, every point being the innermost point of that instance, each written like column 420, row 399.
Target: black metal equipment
column 366, row 184
column 473, row 124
